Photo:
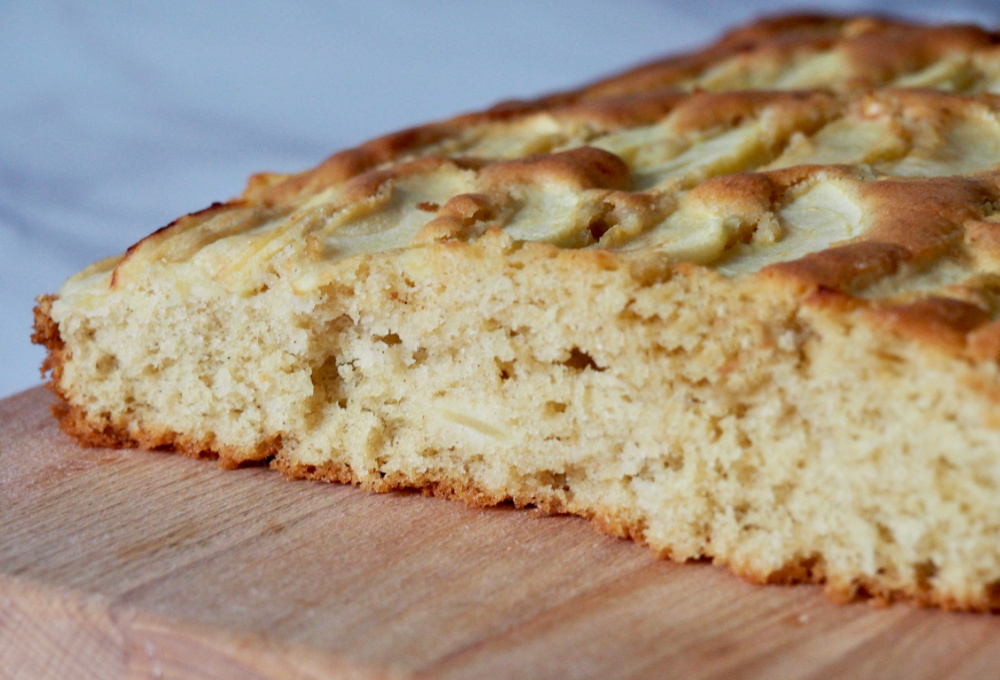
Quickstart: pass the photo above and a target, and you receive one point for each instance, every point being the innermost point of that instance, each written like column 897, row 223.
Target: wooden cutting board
column 127, row 564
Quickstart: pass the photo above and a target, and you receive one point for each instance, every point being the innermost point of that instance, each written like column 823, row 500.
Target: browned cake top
column 768, row 155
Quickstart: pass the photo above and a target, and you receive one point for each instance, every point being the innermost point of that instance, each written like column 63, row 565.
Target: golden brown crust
column 914, row 223
column 925, row 218
column 935, row 320
column 206, row 219
column 877, row 49
column 582, row 168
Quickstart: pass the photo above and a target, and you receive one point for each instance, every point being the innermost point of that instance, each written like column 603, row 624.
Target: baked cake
column 741, row 305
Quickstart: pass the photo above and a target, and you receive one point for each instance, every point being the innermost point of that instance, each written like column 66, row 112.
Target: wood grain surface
column 129, row 564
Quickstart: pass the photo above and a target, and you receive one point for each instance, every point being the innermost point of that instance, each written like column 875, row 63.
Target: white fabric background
column 116, row 117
